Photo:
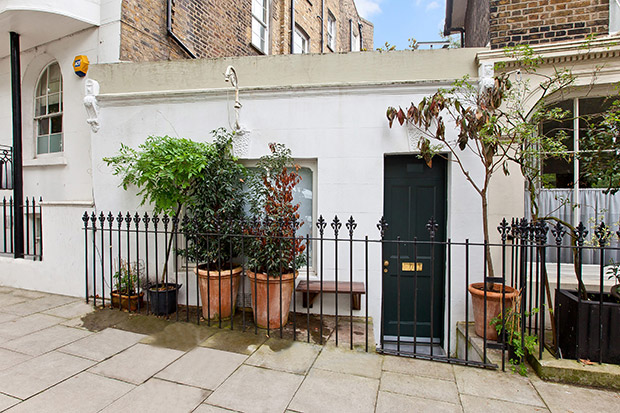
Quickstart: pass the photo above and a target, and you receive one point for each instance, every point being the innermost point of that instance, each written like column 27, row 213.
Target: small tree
column 492, row 123
column 216, row 209
column 165, row 170
column 274, row 246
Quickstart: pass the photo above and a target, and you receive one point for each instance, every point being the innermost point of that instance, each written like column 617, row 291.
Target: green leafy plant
column 165, row 169
column 273, row 247
column 510, row 327
column 216, row 208
column 126, row 277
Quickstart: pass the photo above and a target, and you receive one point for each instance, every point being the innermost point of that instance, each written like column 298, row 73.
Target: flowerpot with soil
column 129, row 302
column 493, row 306
column 218, row 291
column 163, row 298
column 271, row 298
column 126, row 285
column 273, row 248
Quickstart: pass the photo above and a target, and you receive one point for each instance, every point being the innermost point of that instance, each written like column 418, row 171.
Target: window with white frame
column 331, row 31
column 614, row 16
column 48, row 111
column 355, row 37
column 260, row 25
column 301, row 41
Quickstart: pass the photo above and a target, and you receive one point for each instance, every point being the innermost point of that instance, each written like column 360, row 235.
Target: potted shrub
column 125, row 293
column 214, row 228
column 165, row 170
column 274, row 251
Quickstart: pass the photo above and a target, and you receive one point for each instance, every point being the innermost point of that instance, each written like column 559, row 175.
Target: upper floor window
column 301, row 41
column 614, row 16
column 48, row 110
column 260, row 24
column 331, row 31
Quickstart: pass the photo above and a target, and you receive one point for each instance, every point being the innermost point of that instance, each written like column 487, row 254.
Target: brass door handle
column 386, row 263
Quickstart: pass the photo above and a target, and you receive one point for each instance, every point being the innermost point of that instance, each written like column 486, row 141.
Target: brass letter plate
column 412, row 266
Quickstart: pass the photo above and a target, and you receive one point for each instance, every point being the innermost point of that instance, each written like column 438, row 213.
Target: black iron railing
column 417, row 317
column 33, row 228
column 6, row 167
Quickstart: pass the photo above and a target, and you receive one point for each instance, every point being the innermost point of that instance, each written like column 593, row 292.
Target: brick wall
column 542, row 21
column 224, row 27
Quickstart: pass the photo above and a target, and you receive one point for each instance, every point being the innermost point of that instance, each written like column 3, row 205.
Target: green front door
column 413, row 283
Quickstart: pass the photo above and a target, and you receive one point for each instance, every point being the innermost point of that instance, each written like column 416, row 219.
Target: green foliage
column 216, row 206
column 163, row 168
column 522, row 342
column 126, row 277
column 273, row 247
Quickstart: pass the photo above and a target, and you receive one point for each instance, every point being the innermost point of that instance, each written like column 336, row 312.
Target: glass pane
column 40, row 107
column 54, row 73
column 54, row 103
column 259, row 9
column 56, row 143
column 42, row 144
column 558, row 172
column 302, row 194
column 44, row 127
column 56, row 124
column 590, row 111
column 42, row 87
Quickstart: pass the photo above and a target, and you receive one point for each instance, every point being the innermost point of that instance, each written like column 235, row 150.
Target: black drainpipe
column 18, row 181
column 174, row 36
column 359, row 27
column 293, row 26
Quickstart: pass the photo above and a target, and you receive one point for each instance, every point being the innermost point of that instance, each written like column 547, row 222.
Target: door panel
column 413, row 194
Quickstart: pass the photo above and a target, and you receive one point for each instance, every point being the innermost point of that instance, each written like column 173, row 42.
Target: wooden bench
column 311, row 289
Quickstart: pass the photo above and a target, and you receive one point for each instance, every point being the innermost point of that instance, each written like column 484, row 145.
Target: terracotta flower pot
column 494, row 306
column 259, row 285
column 127, row 302
column 216, row 303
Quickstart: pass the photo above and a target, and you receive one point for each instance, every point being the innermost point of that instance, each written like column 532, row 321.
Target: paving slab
column 29, row 294
column 37, row 374
column 418, row 386
column 476, row 404
column 137, row 364
column 103, row 345
column 235, row 341
column 496, row 385
column 156, row 396
column 207, row 408
column 393, row 402
column 285, row 355
column 10, row 358
column 39, row 305
column 46, row 340
column 8, row 300
column 562, row 397
column 71, row 310
column 253, row 389
column 6, row 317
column 7, row 401
column 203, row 367
column 324, row 391
column 6, row 290
column 349, row 362
column 26, row 325
column 85, row 392
column 417, row 367
column 180, row 336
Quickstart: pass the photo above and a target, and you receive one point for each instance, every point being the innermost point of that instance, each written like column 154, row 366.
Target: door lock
column 386, row 263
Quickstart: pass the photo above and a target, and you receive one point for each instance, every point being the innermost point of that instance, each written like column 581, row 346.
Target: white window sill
column 47, row 161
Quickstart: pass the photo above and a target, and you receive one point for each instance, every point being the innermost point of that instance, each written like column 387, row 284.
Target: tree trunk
column 485, row 231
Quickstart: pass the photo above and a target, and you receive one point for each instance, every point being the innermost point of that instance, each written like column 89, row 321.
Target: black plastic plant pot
column 163, row 298
column 579, row 326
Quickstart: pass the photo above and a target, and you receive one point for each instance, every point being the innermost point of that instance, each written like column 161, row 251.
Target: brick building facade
column 225, row 28
column 501, row 23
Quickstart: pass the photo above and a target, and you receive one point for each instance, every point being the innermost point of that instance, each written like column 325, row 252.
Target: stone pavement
column 57, row 355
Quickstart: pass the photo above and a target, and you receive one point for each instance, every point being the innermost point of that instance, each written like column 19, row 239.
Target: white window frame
column 258, row 23
column 46, row 117
column 301, row 41
column 355, row 37
column 614, row 16
column 331, row 31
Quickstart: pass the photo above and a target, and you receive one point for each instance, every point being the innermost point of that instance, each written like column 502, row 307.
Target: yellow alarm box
column 80, row 65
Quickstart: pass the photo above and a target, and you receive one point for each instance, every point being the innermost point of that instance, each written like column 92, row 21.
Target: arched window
column 48, row 110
